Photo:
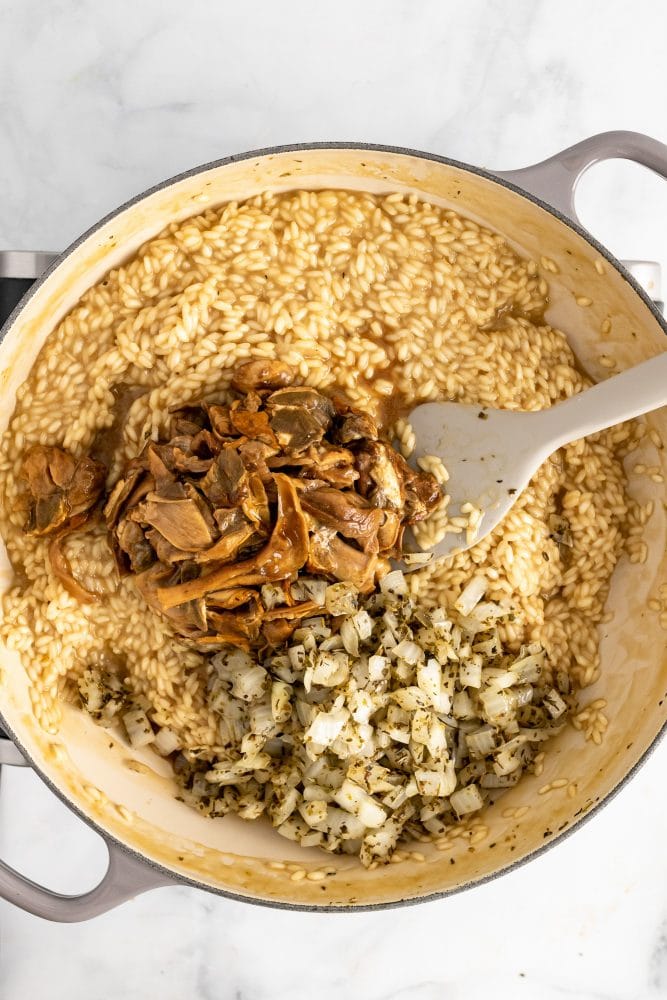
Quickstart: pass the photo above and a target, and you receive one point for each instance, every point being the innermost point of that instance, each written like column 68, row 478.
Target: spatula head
column 490, row 456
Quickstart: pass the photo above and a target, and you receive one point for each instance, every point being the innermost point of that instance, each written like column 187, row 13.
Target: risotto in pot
column 207, row 475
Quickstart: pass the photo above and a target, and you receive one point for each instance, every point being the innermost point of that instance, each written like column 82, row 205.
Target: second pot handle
column 125, row 877
column 554, row 181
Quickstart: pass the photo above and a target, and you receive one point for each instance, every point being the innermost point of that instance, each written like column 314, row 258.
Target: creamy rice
column 389, row 298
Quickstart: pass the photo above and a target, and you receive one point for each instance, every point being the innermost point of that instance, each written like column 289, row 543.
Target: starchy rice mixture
column 388, row 298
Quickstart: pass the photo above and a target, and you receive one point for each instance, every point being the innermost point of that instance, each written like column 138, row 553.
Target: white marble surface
column 99, row 101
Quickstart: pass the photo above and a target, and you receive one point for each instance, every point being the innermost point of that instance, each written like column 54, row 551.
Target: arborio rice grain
column 355, row 291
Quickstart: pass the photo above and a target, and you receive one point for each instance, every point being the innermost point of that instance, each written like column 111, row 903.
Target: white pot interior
column 139, row 808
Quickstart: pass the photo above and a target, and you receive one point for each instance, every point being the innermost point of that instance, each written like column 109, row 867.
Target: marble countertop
column 99, row 102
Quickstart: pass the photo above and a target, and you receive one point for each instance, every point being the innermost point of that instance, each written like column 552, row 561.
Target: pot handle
column 18, row 270
column 126, row 876
column 554, row 181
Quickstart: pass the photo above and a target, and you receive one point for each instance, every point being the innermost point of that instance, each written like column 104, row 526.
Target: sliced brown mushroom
column 253, row 425
column 262, row 375
column 164, row 550
column 225, row 483
column 279, row 631
column 228, row 600
column 132, row 541
column 181, row 522
column 240, row 627
column 351, row 515
column 284, row 554
column 119, row 494
column 255, row 505
column 390, row 534
column 255, row 455
column 380, row 479
column 330, row 556
column 220, row 421
column 352, row 424
column 299, row 416
column 60, row 487
column 62, row 569
column 295, row 428
column 333, row 464
column 235, row 532
column 422, row 494
column 107, row 442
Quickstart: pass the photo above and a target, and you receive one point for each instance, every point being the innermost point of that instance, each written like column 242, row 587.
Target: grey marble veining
column 98, row 101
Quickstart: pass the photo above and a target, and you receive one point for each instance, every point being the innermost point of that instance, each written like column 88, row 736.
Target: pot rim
column 306, row 147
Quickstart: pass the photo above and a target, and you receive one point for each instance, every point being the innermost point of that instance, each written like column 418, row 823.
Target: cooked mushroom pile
column 218, row 521
column 61, row 496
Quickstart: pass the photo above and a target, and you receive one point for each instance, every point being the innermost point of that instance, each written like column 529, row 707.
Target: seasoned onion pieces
column 389, row 719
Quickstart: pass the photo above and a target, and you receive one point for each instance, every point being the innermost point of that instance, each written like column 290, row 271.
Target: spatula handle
column 638, row 390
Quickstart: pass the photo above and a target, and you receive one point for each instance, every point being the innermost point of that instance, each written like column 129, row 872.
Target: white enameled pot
column 154, row 840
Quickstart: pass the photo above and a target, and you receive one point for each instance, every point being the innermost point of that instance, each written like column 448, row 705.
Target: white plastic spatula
column 491, row 455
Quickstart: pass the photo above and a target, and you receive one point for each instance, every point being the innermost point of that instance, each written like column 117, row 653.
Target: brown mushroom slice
column 279, row 623
column 184, row 461
column 181, row 522
column 295, row 428
column 388, row 481
column 162, row 476
column 62, row 569
column 47, row 515
column 119, row 495
column 61, row 467
column 353, row 424
column 302, row 397
column 225, row 483
column 168, row 491
column 228, row 600
column 166, row 552
column 255, row 505
column 284, row 554
column 147, row 583
column 36, row 473
column 220, row 419
column 86, row 485
column 188, row 619
column 381, row 479
column 356, row 427
column 295, row 462
column 297, row 611
column 132, row 541
column 236, row 533
column 299, row 416
column 351, row 515
column 334, row 465
column 422, row 495
column 60, row 487
column 308, row 485
column 253, row 425
column 279, row 631
column 240, row 628
column 324, row 462
column 255, row 455
column 262, row 374
column 106, row 443
column 330, row 556
column 391, row 532
column 228, row 634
